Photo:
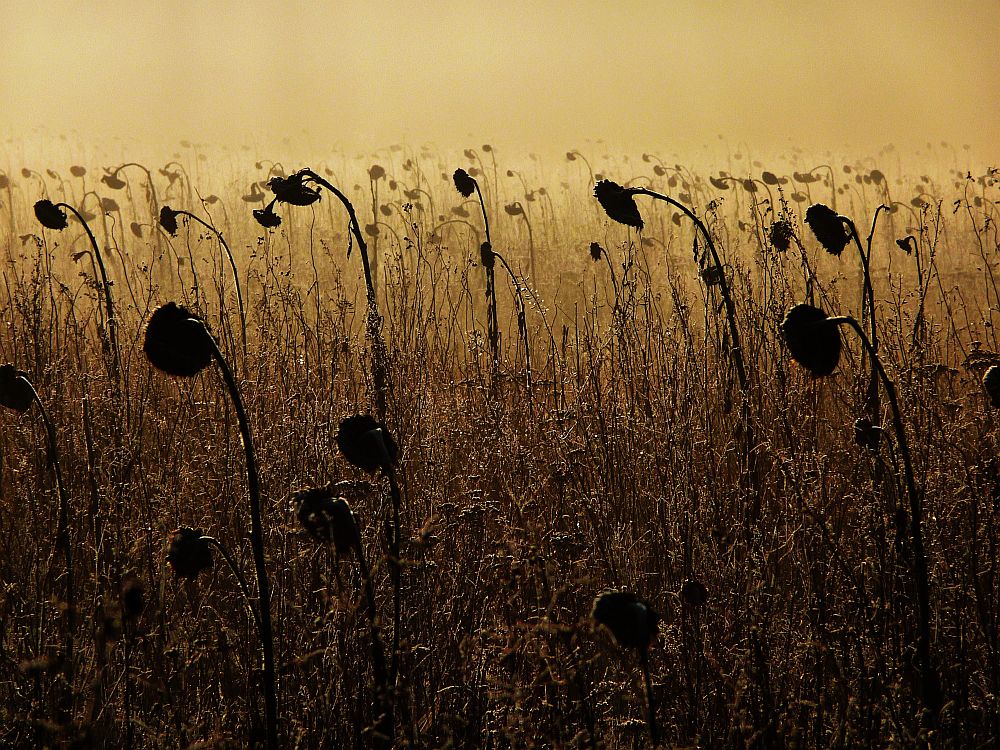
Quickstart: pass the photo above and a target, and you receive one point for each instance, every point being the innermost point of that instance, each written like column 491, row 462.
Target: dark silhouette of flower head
column 694, row 593
column 813, row 341
column 631, row 621
column 991, row 382
column 377, row 172
column 327, row 518
column 866, row 434
column 49, row 215
column 618, row 203
column 177, row 342
column 828, row 226
column 293, row 190
column 189, row 553
column 596, row 251
column 266, row 216
column 366, row 443
column 487, row 256
column 15, row 391
column 781, row 234
column 133, row 599
column 113, row 181
column 464, row 183
column 168, row 220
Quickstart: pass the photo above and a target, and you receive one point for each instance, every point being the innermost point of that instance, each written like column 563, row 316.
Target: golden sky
column 852, row 74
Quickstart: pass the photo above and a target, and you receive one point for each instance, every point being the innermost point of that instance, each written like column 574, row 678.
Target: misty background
column 847, row 76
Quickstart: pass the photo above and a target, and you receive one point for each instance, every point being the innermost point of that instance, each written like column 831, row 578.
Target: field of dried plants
column 454, row 450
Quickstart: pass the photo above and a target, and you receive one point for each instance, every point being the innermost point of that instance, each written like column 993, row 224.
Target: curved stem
column 491, row 290
column 395, row 567
column 930, row 687
column 723, row 282
column 256, row 543
column 654, row 732
column 385, row 721
column 108, row 301
column 62, row 531
column 240, row 579
column 236, row 276
column 380, row 363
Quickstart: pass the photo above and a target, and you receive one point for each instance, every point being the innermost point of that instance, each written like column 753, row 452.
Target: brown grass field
column 609, row 442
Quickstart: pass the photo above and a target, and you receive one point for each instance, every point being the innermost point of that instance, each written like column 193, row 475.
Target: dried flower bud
column 366, row 444
column 177, row 342
column 828, row 226
column 15, row 392
column 694, row 593
column 813, row 341
column 266, row 217
column 618, row 203
column 464, row 183
column 293, row 190
column 327, row 518
column 486, row 256
column 781, row 234
column 50, row 216
column 596, row 251
column 991, row 382
column 189, row 553
column 866, row 434
column 168, row 220
column 631, row 621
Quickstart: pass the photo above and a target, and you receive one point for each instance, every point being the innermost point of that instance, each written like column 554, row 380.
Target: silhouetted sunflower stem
column 385, row 715
column 727, row 299
column 62, row 531
column 654, row 732
column 868, row 305
column 256, row 542
column 109, row 304
column 522, row 325
column 930, row 684
column 395, row 566
column 236, row 275
column 491, row 291
column 380, row 357
column 240, row 578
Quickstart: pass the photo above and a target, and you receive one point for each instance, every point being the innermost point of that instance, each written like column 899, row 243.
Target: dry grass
column 623, row 466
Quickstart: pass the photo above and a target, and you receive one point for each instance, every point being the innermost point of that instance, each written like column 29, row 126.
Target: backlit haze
column 544, row 76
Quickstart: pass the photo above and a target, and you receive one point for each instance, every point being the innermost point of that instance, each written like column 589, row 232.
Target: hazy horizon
column 524, row 75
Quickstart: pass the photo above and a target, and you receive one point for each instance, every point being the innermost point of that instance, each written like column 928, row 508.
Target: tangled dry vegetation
column 394, row 456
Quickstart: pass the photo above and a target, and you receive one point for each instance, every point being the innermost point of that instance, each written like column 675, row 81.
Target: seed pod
column 828, row 226
column 991, row 382
column 327, row 518
column 618, row 203
column 631, row 621
column 189, row 553
column 15, row 391
column 50, row 216
column 464, row 183
column 176, row 341
column 813, row 341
